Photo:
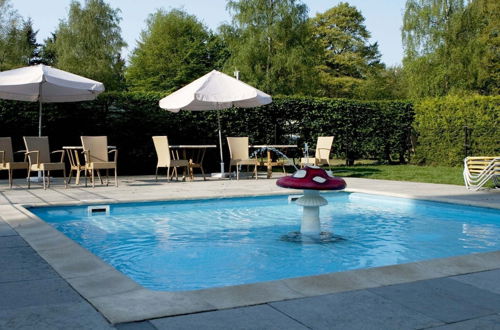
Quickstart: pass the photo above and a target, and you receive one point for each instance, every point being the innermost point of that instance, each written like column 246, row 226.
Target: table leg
column 269, row 164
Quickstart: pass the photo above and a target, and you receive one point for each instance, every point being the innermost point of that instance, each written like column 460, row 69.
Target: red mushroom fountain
column 312, row 179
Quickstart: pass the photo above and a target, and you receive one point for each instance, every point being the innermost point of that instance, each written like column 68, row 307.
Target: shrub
column 368, row 129
column 440, row 125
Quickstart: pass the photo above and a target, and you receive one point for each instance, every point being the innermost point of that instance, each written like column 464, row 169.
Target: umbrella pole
column 220, row 147
column 39, row 176
column 40, row 118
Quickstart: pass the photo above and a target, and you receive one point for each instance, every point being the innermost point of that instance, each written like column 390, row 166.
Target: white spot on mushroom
column 313, row 166
column 319, row 179
column 300, row 174
column 330, row 174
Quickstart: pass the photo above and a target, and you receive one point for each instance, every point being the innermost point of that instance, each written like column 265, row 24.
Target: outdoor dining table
column 72, row 153
column 270, row 163
column 196, row 155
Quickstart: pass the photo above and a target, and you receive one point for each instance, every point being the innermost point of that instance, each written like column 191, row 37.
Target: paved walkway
column 34, row 296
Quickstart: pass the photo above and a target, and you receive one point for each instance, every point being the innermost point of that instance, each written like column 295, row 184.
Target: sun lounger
column 480, row 170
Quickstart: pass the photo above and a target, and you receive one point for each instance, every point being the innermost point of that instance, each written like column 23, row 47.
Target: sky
column 383, row 18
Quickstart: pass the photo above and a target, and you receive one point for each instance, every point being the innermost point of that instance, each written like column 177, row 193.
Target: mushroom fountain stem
column 311, row 201
column 310, row 225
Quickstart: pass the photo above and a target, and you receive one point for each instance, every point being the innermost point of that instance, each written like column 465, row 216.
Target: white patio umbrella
column 215, row 91
column 46, row 85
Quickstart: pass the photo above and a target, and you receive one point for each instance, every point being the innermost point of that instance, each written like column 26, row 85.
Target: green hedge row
column 440, row 124
column 362, row 129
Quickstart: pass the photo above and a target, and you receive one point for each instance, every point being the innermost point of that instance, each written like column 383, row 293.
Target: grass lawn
column 430, row 174
column 370, row 169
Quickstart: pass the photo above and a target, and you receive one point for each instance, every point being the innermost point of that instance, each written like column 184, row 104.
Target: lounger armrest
column 62, row 152
column 2, row 157
column 115, row 151
column 37, row 153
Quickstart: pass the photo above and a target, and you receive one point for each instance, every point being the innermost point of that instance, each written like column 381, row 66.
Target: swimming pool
column 186, row 245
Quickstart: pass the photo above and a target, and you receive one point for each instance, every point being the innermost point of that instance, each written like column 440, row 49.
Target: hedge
column 362, row 129
column 440, row 124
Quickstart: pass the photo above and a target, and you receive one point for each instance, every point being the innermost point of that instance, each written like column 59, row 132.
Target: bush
column 362, row 129
column 440, row 125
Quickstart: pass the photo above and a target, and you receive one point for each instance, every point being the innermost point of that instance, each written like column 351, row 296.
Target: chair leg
column 64, row 176
column 28, row 178
column 93, row 178
column 10, row 179
column 70, row 176
column 237, row 172
column 156, row 174
column 77, row 179
column 168, row 173
column 48, row 179
column 116, row 177
column 107, row 177
column 203, row 173
column 255, row 171
column 43, row 180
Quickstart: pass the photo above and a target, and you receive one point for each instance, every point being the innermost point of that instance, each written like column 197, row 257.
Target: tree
column 270, row 44
column 451, row 47
column 89, row 43
column 385, row 84
column 348, row 58
column 17, row 39
column 173, row 50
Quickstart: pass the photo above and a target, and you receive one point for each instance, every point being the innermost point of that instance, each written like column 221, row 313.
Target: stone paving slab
column 353, row 310
column 46, row 293
column 444, row 299
column 245, row 318
column 78, row 315
column 488, row 280
column 36, row 293
column 491, row 322
column 13, row 271
column 12, row 242
column 6, row 230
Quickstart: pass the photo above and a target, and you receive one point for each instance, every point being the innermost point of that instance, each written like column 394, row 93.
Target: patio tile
column 248, row 318
column 489, row 280
column 353, row 310
column 6, row 230
column 38, row 271
column 443, row 299
column 145, row 325
column 19, row 257
column 491, row 322
column 37, row 293
column 12, row 241
column 54, row 317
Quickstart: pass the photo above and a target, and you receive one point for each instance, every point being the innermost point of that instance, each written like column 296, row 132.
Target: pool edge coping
column 120, row 299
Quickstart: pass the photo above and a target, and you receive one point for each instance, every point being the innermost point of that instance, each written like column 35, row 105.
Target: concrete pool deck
column 48, row 281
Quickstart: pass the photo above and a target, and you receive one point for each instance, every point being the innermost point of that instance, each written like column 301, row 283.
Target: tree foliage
column 451, row 47
column 17, row 38
column 174, row 49
column 89, row 43
column 348, row 58
column 270, row 44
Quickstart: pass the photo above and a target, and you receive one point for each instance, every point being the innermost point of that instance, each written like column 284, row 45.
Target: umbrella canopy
column 215, row 91
column 46, row 85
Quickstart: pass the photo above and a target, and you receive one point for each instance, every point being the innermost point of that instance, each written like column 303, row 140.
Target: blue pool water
column 185, row 245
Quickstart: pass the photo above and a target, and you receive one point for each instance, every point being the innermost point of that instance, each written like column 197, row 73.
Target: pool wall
column 120, row 299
